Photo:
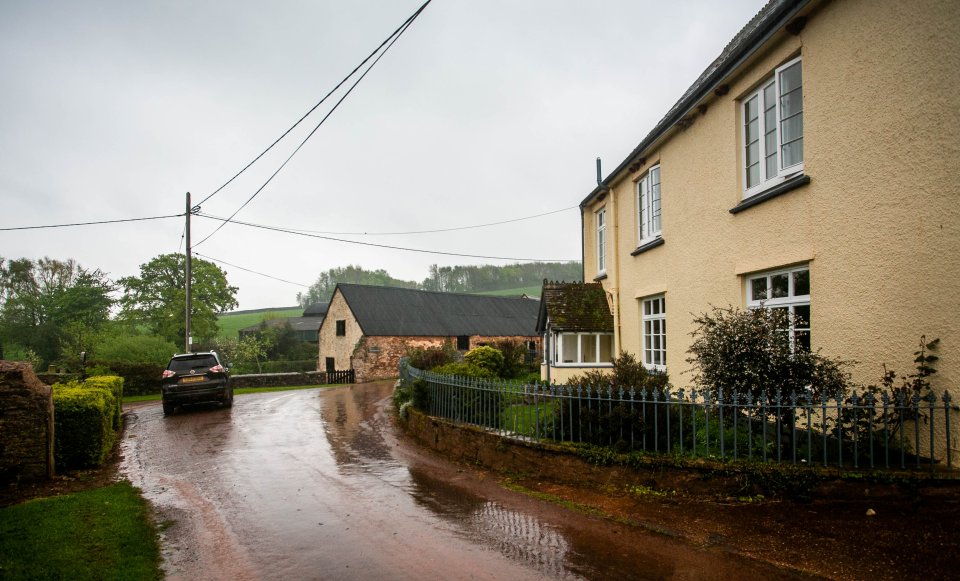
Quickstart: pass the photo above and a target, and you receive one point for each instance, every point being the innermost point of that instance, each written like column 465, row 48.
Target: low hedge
column 84, row 419
column 138, row 378
column 115, row 385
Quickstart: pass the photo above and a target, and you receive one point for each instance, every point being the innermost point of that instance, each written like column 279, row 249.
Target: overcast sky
column 483, row 111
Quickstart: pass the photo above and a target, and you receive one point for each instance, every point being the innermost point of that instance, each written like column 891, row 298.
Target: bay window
column 583, row 349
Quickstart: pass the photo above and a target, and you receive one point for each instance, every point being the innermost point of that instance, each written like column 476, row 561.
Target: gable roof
column 771, row 18
column 391, row 311
column 574, row 306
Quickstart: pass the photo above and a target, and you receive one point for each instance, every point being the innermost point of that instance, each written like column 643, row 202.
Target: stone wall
column 26, row 424
column 379, row 357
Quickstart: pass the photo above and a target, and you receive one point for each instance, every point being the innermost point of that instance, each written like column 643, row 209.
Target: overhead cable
column 392, row 39
column 387, row 246
column 91, row 223
column 453, row 229
column 312, row 109
column 250, row 271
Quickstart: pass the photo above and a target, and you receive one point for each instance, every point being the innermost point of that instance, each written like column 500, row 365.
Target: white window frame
column 782, row 172
column 601, row 221
column 649, row 214
column 653, row 330
column 790, row 302
column 560, row 337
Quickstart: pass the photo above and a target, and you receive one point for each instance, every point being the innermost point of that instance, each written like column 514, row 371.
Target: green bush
column 415, row 393
column 515, row 360
column 431, row 357
column 593, row 416
column 138, row 378
column 749, row 352
column 465, row 369
column 487, row 358
column 115, row 385
column 129, row 348
column 83, row 424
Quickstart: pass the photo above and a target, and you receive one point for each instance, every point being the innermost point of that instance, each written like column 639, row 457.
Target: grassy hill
column 230, row 323
column 530, row 291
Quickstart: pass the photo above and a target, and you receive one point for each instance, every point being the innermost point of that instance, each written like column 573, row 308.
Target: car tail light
column 167, row 373
column 217, row 369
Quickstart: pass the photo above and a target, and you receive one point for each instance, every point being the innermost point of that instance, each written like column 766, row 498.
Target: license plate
column 193, row 379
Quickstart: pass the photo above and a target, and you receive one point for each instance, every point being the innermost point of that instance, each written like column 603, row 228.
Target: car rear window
column 188, row 363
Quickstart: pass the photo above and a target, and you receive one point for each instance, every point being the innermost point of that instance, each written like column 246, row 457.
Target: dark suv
column 194, row 378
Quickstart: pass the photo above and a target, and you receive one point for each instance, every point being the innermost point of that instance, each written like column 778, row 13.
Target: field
column 230, row 323
column 530, row 291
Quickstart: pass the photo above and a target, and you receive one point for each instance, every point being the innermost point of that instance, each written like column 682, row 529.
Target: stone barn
column 369, row 328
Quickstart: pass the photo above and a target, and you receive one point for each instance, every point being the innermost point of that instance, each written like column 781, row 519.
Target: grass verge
column 239, row 391
column 106, row 533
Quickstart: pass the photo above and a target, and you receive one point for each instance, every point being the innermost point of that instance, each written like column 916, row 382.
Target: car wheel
column 228, row 399
column 168, row 408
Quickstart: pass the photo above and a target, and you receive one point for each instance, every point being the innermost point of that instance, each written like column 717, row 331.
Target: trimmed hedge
column 84, row 418
column 115, row 385
column 138, row 378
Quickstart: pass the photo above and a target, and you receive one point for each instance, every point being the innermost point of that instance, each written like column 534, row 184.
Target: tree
column 48, row 304
column 157, row 298
column 322, row 289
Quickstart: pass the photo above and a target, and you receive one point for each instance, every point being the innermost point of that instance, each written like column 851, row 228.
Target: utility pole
column 187, row 338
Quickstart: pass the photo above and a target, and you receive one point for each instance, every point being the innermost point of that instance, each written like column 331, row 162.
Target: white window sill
column 772, row 192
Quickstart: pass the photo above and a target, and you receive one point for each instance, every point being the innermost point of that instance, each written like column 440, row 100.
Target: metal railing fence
column 862, row 430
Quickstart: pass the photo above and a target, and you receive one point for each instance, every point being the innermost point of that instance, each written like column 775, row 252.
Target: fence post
column 946, row 421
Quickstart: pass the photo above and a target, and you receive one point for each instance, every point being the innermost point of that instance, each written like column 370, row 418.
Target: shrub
column 83, row 425
column 115, row 385
column 749, row 353
column 414, row 393
column 138, row 378
column 465, row 369
column 514, row 365
column 595, row 417
column 432, row 357
column 487, row 358
column 131, row 348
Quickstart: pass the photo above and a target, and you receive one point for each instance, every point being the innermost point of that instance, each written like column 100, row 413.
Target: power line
column 395, row 37
column 250, row 271
column 91, row 223
column 312, row 109
column 387, row 246
column 454, row 229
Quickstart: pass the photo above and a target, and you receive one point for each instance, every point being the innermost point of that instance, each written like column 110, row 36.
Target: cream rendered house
column 814, row 166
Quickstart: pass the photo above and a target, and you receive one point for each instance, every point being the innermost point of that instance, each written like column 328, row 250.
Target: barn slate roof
column 574, row 306
column 316, row 310
column 389, row 311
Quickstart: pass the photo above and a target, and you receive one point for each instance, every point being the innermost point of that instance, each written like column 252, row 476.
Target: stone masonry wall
column 379, row 357
column 26, row 424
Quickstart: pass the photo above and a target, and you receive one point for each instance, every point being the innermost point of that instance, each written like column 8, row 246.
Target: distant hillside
column 486, row 279
column 231, row 323
column 530, row 291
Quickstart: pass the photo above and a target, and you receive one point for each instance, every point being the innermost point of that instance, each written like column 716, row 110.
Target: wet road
column 315, row 484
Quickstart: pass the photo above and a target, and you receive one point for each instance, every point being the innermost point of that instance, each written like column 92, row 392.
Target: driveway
column 315, row 484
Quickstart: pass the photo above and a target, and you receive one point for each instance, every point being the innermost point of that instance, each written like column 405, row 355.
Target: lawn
column 229, row 323
column 106, row 533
